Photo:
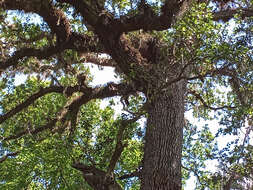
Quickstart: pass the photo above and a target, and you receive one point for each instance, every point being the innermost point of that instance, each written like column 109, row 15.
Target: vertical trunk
column 163, row 140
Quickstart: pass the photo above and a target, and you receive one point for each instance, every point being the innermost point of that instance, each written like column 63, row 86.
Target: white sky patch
column 25, row 17
column 190, row 183
column 102, row 76
column 20, row 79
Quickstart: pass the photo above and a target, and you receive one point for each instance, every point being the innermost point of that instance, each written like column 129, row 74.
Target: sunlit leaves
column 199, row 147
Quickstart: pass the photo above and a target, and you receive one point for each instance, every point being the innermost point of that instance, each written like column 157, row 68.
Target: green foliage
column 199, row 147
column 44, row 160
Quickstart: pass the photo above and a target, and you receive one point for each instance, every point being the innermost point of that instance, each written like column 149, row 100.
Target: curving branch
column 49, row 125
column 119, row 144
column 55, row 18
column 147, row 19
column 29, row 52
column 71, row 110
column 198, row 96
column 42, row 92
column 77, row 42
column 90, row 10
column 59, row 25
column 109, row 30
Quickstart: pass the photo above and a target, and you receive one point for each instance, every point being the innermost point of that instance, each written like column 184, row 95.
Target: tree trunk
column 163, row 140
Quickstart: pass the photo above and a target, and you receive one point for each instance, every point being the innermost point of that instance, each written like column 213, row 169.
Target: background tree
column 171, row 56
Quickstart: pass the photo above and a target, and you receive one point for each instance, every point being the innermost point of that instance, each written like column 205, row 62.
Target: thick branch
column 225, row 15
column 110, row 32
column 89, row 10
column 68, row 115
column 58, row 23
column 55, row 18
column 147, row 19
column 29, row 52
column 78, row 42
column 112, row 89
column 87, row 169
column 97, row 178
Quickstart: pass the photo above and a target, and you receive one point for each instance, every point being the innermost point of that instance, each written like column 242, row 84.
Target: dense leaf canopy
column 55, row 131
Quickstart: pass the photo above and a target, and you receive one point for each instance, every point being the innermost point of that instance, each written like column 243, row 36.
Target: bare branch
column 119, row 144
column 133, row 174
column 8, row 155
column 198, row 96
column 225, row 15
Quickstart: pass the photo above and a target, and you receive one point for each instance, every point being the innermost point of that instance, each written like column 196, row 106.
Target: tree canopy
column 170, row 57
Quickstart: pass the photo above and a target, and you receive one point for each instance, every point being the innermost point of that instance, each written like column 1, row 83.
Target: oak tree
column 171, row 56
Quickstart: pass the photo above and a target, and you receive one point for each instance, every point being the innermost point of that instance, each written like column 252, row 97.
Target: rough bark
column 163, row 140
column 96, row 178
